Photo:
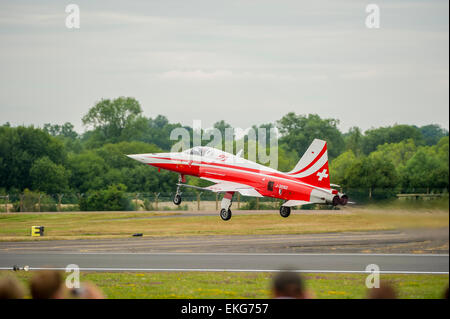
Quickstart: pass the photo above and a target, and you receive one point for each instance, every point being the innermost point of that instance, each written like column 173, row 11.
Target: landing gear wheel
column 336, row 200
column 285, row 211
column 225, row 214
column 343, row 200
column 177, row 199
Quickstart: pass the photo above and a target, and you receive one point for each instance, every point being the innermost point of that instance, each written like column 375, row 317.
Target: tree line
column 56, row 159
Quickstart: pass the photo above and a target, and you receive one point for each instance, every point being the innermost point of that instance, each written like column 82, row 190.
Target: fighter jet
column 307, row 183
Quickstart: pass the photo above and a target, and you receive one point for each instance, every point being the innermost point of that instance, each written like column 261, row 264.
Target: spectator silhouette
column 289, row 285
column 47, row 284
column 385, row 291
column 11, row 288
column 87, row 290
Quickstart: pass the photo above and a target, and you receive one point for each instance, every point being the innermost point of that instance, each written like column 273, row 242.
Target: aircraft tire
column 343, row 200
column 285, row 211
column 225, row 214
column 336, row 200
column 177, row 200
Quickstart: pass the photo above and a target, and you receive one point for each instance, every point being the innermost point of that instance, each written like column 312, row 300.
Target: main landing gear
column 285, row 211
column 225, row 214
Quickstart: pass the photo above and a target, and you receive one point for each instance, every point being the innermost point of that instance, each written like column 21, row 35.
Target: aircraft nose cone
column 135, row 157
column 145, row 158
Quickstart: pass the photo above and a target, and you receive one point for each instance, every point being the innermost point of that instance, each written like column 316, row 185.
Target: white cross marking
column 322, row 174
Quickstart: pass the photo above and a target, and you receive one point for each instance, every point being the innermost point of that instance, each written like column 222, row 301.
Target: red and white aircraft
column 308, row 182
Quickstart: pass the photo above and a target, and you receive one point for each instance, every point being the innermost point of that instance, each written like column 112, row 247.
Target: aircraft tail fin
column 312, row 168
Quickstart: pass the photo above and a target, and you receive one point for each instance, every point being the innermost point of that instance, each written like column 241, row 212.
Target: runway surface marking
column 355, row 263
column 233, row 270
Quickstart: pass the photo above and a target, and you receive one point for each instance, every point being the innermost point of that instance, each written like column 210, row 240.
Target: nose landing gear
column 177, row 198
column 227, row 200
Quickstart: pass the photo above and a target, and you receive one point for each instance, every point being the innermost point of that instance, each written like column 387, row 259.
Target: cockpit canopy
column 204, row 151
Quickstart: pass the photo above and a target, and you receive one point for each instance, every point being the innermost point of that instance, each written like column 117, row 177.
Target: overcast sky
column 246, row 62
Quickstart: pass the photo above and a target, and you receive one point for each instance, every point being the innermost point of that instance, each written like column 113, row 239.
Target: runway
column 431, row 241
column 401, row 251
column 353, row 263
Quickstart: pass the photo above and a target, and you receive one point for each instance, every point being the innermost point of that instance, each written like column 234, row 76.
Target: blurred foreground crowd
column 50, row 284
column 47, row 284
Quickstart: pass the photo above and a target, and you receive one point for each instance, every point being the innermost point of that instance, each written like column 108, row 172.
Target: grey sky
column 246, row 62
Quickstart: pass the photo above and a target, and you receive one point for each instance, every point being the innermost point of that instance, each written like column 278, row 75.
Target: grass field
column 192, row 285
column 16, row 226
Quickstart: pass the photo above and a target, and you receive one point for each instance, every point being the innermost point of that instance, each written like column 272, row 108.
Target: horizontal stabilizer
column 291, row 203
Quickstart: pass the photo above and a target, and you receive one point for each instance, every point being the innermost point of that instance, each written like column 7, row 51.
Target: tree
column 340, row 166
column 115, row 154
column 390, row 134
column 65, row 130
column 111, row 199
column 433, row 133
column 353, row 140
column 49, row 177
column 298, row 132
column 442, row 150
column 375, row 173
column 222, row 126
column 20, row 147
column 147, row 179
column 88, row 171
column 287, row 159
column 66, row 134
column 397, row 153
column 425, row 171
column 111, row 117
column 267, row 132
column 136, row 176
column 154, row 131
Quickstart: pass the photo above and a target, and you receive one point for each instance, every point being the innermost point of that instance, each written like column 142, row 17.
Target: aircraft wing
column 223, row 186
column 234, row 187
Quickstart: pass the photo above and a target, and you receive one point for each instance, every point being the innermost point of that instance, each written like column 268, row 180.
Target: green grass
column 193, row 285
column 15, row 227
column 441, row 203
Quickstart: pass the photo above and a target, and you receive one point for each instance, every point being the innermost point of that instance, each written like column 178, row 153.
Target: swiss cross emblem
column 322, row 174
